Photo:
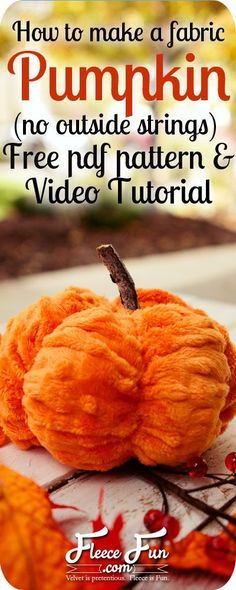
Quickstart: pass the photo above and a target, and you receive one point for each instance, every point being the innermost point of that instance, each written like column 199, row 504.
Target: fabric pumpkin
column 97, row 384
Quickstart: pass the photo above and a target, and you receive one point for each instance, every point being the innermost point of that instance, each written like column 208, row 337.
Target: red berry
column 197, row 467
column 172, row 525
column 153, row 520
column 230, row 462
column 217, row 547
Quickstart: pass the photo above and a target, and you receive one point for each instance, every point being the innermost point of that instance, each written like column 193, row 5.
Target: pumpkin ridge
column 109, row 374
column 156, row 411
column 19, row 346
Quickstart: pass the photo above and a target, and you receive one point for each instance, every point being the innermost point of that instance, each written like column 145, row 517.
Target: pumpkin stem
column 119, row 275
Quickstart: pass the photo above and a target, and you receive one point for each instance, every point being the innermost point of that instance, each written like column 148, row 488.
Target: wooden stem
column 119, row 275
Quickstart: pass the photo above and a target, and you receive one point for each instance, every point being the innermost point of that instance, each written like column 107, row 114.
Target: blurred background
column 34, row 238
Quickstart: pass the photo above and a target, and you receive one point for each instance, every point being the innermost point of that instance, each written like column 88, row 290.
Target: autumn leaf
column 193, row 552
column 113, row 542
column 32, row 545
column 110, row 542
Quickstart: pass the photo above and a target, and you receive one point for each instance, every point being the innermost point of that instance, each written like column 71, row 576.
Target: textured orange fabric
column 107, row 384
column 19, row 346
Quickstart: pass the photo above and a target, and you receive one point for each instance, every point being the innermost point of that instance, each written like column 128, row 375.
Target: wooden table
column 125, row 491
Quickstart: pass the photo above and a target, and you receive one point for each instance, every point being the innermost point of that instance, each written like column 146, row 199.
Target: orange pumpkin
column 97, row 383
